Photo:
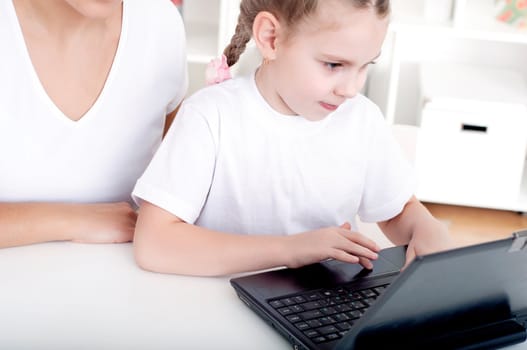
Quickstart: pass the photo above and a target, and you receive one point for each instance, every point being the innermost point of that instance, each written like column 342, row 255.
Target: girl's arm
column 164, row 243
column 416, row 227
column 27, row 223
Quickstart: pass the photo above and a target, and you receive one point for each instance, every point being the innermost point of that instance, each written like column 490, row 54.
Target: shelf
column 202, row 46
column 477, row 21
column 497, row 31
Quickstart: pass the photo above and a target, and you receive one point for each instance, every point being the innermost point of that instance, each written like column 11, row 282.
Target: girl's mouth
column 328, row 106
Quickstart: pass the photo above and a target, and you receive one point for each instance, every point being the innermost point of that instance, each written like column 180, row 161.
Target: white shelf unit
column 209, row 25
column 471, row 36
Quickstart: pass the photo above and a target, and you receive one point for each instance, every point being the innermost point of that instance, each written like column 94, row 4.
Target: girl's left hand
column 428, row 242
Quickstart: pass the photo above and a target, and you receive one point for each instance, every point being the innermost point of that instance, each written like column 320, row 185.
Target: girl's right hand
column 102, row 223
column 338, row 243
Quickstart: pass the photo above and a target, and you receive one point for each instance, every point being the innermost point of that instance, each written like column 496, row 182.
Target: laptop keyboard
column 326, row 315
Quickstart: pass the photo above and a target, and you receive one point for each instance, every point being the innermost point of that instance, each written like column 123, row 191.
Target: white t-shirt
column 45, row 156
column 231, row 163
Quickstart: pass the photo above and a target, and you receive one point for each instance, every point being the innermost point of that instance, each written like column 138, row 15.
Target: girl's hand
column 428, row 242
column 338, row 243
column 101, row 223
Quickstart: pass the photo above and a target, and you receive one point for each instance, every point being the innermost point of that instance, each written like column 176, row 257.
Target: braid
column 289, row 11
column 237, row 45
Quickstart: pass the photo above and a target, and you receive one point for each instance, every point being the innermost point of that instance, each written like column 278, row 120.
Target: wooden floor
column 475, row 225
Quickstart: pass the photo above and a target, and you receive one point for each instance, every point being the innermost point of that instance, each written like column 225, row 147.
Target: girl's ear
column 265, row 32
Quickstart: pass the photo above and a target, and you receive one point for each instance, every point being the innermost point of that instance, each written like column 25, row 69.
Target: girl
column 85, row 87
column 271, row 169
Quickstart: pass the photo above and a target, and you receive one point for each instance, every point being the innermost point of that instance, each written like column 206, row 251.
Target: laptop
column 473, row 297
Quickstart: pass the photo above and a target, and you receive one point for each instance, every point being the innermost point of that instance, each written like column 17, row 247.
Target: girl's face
column 326, row 60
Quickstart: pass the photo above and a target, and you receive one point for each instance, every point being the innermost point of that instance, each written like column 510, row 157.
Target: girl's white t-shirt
column 233, row 164
column 45, row 156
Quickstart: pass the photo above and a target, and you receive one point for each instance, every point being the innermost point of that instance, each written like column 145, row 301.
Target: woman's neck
column 59, row 18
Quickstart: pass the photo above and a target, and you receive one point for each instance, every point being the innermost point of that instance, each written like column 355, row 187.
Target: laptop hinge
column 519, row 241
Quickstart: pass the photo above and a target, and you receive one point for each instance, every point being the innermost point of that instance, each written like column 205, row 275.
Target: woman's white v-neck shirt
column 45, row 156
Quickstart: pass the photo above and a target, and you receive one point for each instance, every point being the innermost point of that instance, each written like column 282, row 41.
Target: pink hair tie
column 217, row 71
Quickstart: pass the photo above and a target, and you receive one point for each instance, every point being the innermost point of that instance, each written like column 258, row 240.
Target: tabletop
column 63, row 295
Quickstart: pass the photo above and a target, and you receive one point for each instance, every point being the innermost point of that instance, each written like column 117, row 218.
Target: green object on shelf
column 513, row 12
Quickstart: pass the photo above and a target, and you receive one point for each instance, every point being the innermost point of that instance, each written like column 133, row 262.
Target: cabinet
column 470, row 35
column 209, row 25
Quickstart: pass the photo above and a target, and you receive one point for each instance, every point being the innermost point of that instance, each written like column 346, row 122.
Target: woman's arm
column 418, row 228
column 164, row 243
column 27, row 223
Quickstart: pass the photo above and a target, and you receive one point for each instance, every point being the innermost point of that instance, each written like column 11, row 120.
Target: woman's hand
column 102, row 223
column 338, row 243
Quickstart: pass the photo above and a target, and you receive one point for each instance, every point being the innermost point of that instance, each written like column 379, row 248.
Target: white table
column 78, row 296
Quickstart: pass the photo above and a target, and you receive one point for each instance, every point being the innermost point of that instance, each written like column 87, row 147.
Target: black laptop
column 473, row 297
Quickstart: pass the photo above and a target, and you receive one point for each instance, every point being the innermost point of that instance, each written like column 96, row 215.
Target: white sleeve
column 390, row 179
column 179, row 176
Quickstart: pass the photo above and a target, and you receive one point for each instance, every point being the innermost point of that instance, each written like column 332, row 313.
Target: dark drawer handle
column 471, row 127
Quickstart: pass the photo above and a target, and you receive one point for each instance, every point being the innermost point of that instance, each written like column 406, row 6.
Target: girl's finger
column 366, row 263
column 361, row 240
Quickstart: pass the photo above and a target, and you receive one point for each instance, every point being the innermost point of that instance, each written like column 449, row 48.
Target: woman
column 86, row 89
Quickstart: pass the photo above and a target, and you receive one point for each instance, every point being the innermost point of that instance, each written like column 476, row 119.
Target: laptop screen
column 460, row 291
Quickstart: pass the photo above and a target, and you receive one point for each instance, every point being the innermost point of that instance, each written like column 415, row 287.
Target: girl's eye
column 332, row 65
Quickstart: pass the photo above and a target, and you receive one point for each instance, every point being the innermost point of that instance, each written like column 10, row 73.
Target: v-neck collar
column 55, row 110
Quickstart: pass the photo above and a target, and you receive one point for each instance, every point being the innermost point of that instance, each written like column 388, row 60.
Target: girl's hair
column 290, row 11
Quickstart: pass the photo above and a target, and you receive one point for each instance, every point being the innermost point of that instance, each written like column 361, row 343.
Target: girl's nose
column 350, row 85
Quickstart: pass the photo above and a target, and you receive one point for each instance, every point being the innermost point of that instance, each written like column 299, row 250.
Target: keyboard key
column 302, row 326
column 368, row 293
column 296, row 308
column 328, row 310
column 327, row 330
column 308, row 315
column 319, row 339
column 354, row 314
column 311, row 333
column 328, row 293
column 357, row 305
column 327, row 320
column 314, row 323
column 332, row 336
column 288, row 301
column 342, row 308
column 341, row 317
column 356, row 295
column 313, row 305
column 299, row 299
column 285, row 311
column 276, row 304
column 294, row 318
column 313, row 296
column 343, row 326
